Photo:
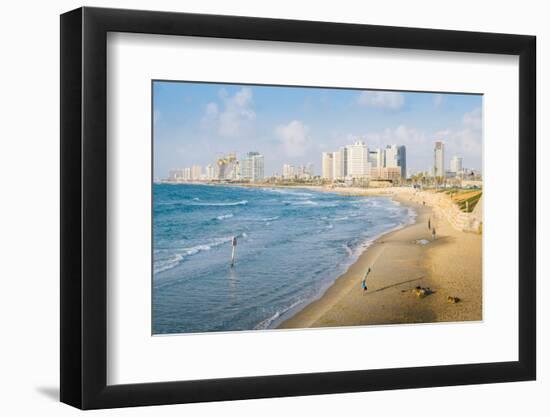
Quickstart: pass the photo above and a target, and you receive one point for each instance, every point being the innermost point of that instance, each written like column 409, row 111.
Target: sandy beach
column 449, row 266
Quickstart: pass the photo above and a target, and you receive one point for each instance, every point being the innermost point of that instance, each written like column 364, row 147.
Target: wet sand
column 450, row 266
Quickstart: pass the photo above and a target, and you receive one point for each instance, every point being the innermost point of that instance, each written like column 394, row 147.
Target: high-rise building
column 288, row 171
column 196, row 172
column 358, row 160
column 439, row 159
column 252, row 167
column 210, row 174
column 187, row 174
column 337, row 165
column 344, row 162
column 228, row 167
column 328, row 165
column 456, row 164
column 377, row 158
column 396, row 156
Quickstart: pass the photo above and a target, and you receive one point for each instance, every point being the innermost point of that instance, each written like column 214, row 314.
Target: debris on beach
column 422, row 292
column 422, row 241
column 453, row 300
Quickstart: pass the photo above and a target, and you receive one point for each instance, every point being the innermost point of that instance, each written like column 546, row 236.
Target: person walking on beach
column 429, row 223
column 364, row 282
column 433, row 233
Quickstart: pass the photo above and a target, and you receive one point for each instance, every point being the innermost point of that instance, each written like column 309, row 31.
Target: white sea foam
column 264, row 324
column 305, row 203
column 177, row 258
column 348, row 249
column 289, row 192
column 224, row 216
column 233, row 203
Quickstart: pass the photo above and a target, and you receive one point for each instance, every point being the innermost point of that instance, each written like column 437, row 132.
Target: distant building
column 338, row 165
column 385, row 173
column 345, row 162
column 228, row 167
column 396, row 156
column 252, row 167
column 456, row 164
column 210, row 172
column 327, row 162
column 377, row 158
column 358, row 160
column 175, row 175
column 288, row 171
column 196, row 172
column 439, row 159
column 187, row 174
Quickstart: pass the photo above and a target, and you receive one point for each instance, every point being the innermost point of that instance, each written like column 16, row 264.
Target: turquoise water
column 291, row 246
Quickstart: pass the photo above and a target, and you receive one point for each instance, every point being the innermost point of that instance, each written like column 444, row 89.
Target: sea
column 291, row 245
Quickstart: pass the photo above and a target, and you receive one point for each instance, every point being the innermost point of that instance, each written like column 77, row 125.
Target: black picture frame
column 84, row 207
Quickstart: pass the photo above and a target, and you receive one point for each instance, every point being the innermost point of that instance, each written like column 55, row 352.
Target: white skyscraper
column 439, row 159
column 456, row 164
column 252, row 167
column 187, row 174
column 337, row 165
column 196, row 172
column 327, row 165
column 210, row 172
column 358, row 160
column 288, row 171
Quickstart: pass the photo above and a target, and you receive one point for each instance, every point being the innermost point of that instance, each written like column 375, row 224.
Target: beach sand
column 450, row 266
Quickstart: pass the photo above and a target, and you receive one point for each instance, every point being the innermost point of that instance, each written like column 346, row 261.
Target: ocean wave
column 289, row 192
column 339, row 219
column 264, row 324
column 304, row 203
column 232, row 203
column 269, row 219
column 224, row 216
column 177, row 258
column 348, row 249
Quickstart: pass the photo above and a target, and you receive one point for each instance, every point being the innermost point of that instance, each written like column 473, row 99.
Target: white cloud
column 294, row 137
column 466, row 140
column 401, row 135
column 473, row 119
column 236, row 117
column 381, row 99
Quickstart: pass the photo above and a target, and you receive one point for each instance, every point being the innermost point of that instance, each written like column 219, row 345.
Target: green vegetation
column 466, row 200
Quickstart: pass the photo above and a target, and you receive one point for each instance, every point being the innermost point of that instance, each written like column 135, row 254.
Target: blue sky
column 195, row 123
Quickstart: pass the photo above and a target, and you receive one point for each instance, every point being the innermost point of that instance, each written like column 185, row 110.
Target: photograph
column 296, row 207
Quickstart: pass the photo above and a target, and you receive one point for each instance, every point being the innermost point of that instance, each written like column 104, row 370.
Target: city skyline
column 196, row 123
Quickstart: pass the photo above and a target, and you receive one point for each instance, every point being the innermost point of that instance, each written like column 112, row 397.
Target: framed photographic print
column 258, row 207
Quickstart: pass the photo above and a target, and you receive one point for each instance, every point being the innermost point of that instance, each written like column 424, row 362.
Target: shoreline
column 399, row 264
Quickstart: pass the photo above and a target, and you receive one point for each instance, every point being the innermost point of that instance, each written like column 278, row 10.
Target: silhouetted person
column 364, row 282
